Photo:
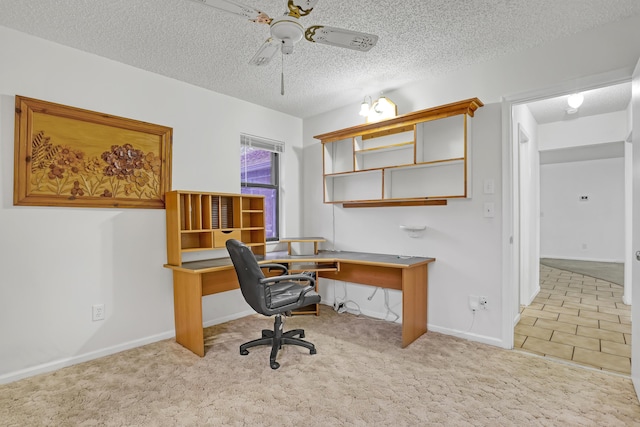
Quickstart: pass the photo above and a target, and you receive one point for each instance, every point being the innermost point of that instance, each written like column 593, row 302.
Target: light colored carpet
column 359, row 377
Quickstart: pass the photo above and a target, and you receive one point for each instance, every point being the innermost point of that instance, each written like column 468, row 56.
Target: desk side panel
column 187, row 308
column 414, row 303
column 384, row 277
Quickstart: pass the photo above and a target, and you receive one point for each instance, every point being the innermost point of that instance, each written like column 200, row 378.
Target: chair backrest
column 249, row 274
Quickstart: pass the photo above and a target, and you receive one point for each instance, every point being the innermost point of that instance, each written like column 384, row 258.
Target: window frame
column 275, row 148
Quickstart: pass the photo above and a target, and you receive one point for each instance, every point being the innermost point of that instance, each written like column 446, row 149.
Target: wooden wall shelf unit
column 205, row 221
column 416, row 159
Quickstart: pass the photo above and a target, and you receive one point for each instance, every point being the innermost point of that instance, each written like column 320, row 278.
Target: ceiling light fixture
column 575, row 100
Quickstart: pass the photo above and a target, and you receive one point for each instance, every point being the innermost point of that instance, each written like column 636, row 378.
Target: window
column 260, row 174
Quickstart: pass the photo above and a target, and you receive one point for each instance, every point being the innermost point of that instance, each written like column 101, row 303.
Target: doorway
column 529, row 116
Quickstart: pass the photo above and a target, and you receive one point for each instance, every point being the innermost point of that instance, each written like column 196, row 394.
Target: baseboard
column 368, row 313
column 516, row 320
column 446, row 331
column 468, row 336
column 619, row 261
column 234, row 316
column 533, row 296
column 70, row 361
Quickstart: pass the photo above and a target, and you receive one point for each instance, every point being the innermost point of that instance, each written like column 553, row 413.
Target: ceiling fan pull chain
column 282, row 77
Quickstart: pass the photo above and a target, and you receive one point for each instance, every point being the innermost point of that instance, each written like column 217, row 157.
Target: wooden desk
column 193, row 280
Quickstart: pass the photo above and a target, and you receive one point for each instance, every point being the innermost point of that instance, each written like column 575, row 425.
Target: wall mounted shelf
column 417, row 159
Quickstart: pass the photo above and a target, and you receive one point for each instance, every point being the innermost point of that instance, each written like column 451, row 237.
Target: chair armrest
column 275, row 266
column 276, row 279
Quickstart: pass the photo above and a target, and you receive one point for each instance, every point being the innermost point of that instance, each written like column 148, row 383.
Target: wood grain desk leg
column 414, row 303
column 187, row 309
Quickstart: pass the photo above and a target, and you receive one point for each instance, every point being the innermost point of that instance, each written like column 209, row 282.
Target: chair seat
column 285, row 293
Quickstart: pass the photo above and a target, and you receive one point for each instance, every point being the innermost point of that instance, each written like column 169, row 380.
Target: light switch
column 489, row 210
column 489, row 186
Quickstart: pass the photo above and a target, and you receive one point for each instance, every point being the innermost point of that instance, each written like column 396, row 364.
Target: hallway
column 577, row 318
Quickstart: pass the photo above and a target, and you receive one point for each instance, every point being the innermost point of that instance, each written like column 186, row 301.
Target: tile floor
column 577, row 318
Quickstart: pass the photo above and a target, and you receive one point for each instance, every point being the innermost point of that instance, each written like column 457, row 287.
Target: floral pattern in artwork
column 123, row 171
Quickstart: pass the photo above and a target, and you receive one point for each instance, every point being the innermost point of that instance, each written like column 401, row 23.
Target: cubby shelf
column 205, row 221
column 407, row 160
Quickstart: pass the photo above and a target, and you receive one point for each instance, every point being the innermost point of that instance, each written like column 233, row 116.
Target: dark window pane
column 259, row 175
column 271, row 203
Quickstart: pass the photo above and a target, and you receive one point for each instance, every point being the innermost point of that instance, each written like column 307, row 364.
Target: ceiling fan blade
column 238, row 10
column 298, row 8
column 266, row 52
column 340, row 37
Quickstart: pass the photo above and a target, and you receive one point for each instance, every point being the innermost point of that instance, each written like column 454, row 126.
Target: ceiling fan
column 286, row 30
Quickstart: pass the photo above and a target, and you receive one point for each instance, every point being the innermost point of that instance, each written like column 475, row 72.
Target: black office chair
column 272, row 295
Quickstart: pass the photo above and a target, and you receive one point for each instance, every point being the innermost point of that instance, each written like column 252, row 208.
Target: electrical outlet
column 97, row 312
column 489, row 210
column 484, row 304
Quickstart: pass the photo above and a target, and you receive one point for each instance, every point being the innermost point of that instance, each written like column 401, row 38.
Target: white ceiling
column 419, row 39
column 602, row 100
column 609, row 99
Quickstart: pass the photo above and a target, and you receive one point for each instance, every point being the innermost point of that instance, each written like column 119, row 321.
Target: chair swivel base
column 276, row 339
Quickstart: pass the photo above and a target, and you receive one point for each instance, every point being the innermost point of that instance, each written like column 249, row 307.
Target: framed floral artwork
column 67, row 156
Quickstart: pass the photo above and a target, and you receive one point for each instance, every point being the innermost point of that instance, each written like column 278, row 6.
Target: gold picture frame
column 67, row 156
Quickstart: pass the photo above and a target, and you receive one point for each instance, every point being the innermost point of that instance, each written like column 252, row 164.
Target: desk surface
column 193, row 280
column 386, row 260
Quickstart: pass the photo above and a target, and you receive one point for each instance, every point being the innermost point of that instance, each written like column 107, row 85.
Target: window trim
column 276, row 148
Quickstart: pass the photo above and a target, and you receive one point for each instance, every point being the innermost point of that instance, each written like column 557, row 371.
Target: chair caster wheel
column 275, row 365
column 312, row 351
column 244, row 352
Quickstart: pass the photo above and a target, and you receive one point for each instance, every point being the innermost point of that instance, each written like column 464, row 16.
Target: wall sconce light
column 365, row 106
column 381, row 108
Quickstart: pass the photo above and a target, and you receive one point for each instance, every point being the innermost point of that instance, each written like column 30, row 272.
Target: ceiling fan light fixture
column 575, row 100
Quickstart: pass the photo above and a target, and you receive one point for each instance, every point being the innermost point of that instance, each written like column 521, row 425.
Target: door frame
column 511, row 247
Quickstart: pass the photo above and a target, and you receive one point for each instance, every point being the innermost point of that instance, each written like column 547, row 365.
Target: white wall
column 585, row 230
column 599, row 129
column 57, row 262
column 454, row 233
column 592, row 230
column 468, row 247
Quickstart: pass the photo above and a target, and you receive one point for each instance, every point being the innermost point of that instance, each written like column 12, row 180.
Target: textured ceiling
column 197, row 44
